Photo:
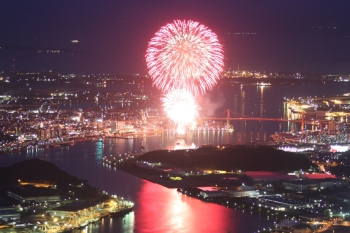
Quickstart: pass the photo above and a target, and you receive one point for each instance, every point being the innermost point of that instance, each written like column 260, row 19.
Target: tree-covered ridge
column 232, row 158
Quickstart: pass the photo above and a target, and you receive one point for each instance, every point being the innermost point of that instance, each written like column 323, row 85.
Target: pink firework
column 185, row 55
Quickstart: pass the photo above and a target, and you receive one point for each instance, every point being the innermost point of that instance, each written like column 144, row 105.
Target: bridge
column 242, row 117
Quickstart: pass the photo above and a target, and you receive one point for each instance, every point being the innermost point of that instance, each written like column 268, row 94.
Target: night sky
column 289, row 36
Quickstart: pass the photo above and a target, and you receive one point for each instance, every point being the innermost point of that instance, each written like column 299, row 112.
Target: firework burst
column 185, row 55
column 180, row 106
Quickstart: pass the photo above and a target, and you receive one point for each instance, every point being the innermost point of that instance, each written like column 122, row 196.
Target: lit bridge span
column 251, row 119
column 242, row 117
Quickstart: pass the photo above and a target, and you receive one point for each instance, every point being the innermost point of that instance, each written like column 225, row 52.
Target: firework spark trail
column 180, row 106
column 184, row 59
column 185, row 55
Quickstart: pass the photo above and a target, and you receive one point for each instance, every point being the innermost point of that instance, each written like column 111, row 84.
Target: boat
column 93, row 220
column 120, row 208
column 121, row 212
column 83, row 223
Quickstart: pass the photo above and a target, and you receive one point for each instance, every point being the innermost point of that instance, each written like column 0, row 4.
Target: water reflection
column 157, row 209
column 165, row 210
column 180, row 144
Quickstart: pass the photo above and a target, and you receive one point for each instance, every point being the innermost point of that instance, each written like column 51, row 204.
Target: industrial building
column 207, row 192
column 75, row 208
column 244, row 191
column 9, row 213
column 28, row 195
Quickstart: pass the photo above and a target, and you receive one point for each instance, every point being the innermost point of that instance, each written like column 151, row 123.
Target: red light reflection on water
column 166, row 210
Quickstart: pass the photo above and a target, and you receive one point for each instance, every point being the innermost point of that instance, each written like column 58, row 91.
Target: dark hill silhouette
column 40, row 171
column 232, row 158
column 36, row 170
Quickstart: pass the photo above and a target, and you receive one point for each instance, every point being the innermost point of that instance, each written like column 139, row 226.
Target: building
column 56, row 132
column 244, row 191
column 9, row 213
column 120, row 125
column 261, row 176
column 44, row 134
column 282, row 203
column 208, row 192
column 28, row 195
column 324, row 180
column 231, row 180
column 300, row 185
column 75, row 208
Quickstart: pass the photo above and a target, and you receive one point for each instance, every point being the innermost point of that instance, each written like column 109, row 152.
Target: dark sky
column 293, row 36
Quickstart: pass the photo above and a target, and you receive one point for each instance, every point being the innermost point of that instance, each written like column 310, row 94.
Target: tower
column 228, row 118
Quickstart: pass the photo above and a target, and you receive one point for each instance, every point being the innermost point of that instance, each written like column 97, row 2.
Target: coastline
column 51, row 144
column 87, row 138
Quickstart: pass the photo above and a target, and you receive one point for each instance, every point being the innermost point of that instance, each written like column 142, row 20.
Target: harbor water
column 159, row 209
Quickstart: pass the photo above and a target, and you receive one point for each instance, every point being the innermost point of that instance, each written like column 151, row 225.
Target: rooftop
column 75, row 206
column 319, row 176
column 269, row 175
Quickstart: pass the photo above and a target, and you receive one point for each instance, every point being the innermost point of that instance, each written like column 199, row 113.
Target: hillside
column 40, row 171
